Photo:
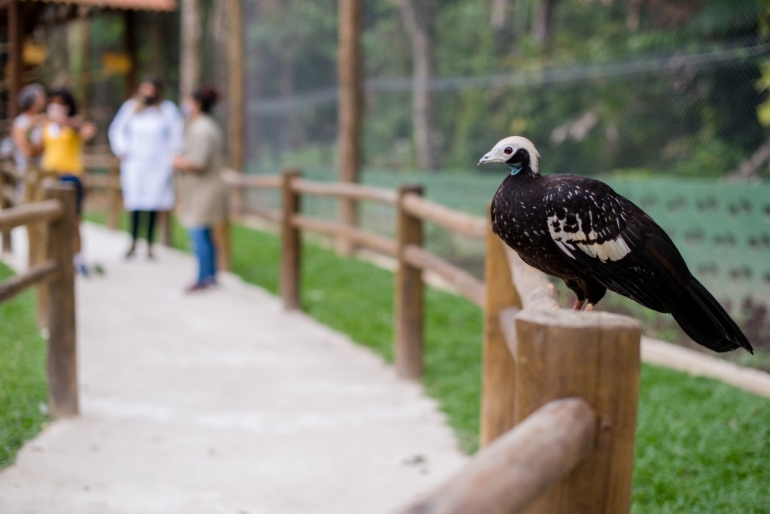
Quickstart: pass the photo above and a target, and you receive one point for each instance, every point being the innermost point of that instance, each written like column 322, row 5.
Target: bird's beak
column 485, row 159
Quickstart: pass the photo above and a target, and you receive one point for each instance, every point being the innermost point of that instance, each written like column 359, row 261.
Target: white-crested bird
column 579, row 230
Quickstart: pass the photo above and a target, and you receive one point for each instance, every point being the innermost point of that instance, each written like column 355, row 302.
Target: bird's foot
column 589, row 307
column 578, row 304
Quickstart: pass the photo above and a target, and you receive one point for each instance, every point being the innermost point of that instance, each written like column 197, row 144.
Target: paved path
column 223, row 403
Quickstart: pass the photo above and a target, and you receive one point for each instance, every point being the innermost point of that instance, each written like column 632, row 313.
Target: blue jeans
column 204, row 250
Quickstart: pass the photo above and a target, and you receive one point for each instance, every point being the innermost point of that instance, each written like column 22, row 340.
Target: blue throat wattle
column 515, row 168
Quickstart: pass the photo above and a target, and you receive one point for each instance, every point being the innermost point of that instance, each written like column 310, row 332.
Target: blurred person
column 146, row 134
column 26, row 131
column 202, row 192
column 63, row 133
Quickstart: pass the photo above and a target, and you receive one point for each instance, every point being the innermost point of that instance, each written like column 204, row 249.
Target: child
column 63, row 136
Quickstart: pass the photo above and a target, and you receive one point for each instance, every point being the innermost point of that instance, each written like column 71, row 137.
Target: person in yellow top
column 63, row 135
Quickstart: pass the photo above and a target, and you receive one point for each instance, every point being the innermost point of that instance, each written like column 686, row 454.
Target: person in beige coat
column 202, row 192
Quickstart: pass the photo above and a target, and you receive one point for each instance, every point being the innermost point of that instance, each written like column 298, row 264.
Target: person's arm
column 117, row 133
column 20, row 137
column 197, row 152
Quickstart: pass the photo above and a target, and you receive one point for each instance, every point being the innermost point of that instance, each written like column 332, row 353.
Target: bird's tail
column 703, row 319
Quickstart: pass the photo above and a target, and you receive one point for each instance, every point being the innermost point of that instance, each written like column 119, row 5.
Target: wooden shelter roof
column 137, row 5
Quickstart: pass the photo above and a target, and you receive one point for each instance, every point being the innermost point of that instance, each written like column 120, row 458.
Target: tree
column 418, row 17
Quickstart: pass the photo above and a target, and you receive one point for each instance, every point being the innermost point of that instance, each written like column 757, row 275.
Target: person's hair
column 28, row 94
column 155, row 82
column 206, row 96
column 66, row 96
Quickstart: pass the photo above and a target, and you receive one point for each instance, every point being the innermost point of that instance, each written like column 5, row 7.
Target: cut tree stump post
column 594, row 356
column 291, row 243
column 408, row 292
column 498, row 392
column 62, row 342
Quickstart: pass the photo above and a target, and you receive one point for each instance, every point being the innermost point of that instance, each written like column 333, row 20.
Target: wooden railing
column 55, row 214
column 560, row 388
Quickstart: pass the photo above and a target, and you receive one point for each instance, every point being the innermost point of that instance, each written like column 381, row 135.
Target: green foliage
column 702, row 446
column 22, row 373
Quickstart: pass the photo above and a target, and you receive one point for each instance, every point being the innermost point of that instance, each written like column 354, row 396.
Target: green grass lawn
column 702, row 446
column 22, row 373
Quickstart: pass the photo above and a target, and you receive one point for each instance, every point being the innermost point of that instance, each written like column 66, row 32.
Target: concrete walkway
column 222, row 403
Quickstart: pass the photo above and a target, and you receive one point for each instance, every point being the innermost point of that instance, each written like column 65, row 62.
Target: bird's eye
column 508, row 150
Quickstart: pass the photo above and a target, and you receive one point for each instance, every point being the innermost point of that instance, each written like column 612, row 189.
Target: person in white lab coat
column 146, row 134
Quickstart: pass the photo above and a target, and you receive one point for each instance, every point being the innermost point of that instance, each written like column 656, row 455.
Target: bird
column 580, row 230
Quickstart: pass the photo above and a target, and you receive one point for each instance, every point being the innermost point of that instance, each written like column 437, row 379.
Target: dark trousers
column 151, row 218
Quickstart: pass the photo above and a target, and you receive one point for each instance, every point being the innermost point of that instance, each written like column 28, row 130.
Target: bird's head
column 515, row 151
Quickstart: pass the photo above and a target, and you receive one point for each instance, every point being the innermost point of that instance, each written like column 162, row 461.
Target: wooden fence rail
column 55, row 273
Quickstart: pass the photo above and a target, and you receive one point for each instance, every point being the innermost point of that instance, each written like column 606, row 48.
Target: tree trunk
column 190, row 52
column 542, row 27
column 419, row 15
column 350, row 85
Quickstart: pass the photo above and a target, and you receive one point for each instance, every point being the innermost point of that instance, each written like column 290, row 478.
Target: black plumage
column 580, row 230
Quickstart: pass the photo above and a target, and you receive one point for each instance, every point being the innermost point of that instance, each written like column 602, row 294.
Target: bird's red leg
column 578, row 304
column 589, row 307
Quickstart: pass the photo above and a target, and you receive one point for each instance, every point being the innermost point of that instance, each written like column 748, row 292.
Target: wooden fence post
column 408, row 292
column 36, row 240
column 113, row 214
column 165, row 228
column 594, row 356
column 62, row 341
column 4, row 204
column 498, row 390
column 291, row 243
column 223, row 245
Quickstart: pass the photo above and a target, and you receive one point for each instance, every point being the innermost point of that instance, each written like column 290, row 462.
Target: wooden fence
column 560, row 388
column 55, row 215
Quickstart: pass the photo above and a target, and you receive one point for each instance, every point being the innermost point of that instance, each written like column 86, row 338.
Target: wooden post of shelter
column 594, row 356
column 15, row 29
column 349, row 111
column 62, row 341
column 7, row 246
column 291, row 243
column 498, row 393
column 131, row 48
column 409, row 292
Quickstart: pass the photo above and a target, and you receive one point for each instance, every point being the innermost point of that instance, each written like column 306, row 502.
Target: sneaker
column 198, row 286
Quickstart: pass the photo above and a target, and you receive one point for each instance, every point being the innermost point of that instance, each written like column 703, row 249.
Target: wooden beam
column 190, row 51
column 34, row 275
column 62, row 340
column 409, row 292
column 512, row 472
column 236, row 62
column 498, row 377
column 15, row 34
column 291, row 253
column 350, row 107
column 39, row 212
column 595, row 356
column 131, row 47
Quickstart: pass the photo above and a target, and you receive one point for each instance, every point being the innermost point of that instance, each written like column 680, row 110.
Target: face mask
column 149, row 100
column 186, row 110
column 57, row 111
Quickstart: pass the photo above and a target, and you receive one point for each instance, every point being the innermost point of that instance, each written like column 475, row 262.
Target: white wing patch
column 610, row 250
